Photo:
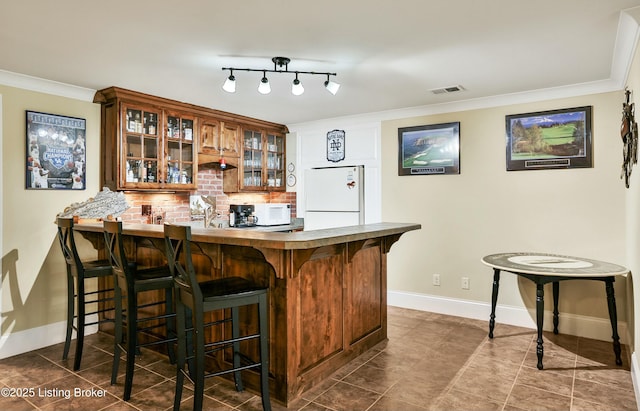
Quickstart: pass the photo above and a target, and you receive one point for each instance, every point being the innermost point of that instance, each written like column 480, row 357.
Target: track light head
column 264, row 87
column 230, row 84
column 331, row 86
column 296, row 87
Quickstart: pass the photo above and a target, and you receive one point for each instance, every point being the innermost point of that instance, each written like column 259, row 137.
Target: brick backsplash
column 175, row 206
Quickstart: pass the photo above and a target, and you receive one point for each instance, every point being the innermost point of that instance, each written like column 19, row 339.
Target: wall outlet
column 436, row 279
column 465, row 283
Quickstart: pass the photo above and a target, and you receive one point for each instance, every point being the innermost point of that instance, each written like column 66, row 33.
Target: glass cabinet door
column 275, row 160
column 252, row 159
column 180, row 149
column 141, row 145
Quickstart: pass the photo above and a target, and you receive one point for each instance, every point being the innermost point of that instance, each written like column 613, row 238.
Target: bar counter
column 327, row 290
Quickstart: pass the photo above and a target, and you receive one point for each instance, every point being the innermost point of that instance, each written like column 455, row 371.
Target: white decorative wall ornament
column 335, row 145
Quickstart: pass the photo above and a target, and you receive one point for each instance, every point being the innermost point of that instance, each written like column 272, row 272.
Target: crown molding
column 40, row 85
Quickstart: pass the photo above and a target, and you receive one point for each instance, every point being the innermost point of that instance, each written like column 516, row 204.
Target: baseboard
column 579, row 325
column 35, row 338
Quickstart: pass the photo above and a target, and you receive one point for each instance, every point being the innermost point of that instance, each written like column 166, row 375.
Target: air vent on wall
column 446, row 90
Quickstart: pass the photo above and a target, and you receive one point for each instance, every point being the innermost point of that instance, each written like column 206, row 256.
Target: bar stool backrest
column 68, row 244
column 178, row 250
column 117, row 254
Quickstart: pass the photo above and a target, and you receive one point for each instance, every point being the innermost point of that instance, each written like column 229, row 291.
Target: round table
column 543, row 268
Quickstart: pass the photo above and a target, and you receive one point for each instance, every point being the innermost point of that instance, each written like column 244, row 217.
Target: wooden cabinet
column 158, row 151
column 145, row 144
column 219, row 138
column 262, row 162
column 151, row 143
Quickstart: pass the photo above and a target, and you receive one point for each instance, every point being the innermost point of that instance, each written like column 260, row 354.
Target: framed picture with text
column 429, row 149
column 549, row 139
column 56, row 152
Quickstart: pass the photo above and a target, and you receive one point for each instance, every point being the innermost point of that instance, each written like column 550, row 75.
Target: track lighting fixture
column 278, row 63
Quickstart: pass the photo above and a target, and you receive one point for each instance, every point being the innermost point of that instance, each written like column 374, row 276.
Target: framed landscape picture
column 549, row 139
column 56, row 152
column 430, row 149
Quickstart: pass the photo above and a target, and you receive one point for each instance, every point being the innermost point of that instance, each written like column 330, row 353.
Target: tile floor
column 430, row 362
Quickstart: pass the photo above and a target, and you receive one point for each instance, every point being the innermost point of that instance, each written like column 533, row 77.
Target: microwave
column 272, row 213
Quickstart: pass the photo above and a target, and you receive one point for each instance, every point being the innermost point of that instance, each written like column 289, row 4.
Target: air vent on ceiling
column 446, row 90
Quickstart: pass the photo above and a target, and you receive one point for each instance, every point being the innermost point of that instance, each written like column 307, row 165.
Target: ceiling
column 388, row 55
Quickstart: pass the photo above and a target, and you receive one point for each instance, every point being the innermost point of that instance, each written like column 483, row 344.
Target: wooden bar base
column 327, row 291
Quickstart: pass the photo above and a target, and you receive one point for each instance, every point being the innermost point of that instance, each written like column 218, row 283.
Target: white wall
column 362, row 147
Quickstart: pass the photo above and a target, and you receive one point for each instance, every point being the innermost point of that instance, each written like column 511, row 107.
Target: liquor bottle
column 131, row 125
column 176, row 129
column 137, row 172
column 170, row 128
column 144, row 173
column 152, row 125
column 150, row 174
column 129, row 173
column 138, row 123
column 188, row 131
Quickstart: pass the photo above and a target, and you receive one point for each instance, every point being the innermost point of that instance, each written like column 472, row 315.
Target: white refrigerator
column 334, row 197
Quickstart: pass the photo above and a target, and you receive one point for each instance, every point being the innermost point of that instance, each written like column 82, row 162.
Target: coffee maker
column 241, row 215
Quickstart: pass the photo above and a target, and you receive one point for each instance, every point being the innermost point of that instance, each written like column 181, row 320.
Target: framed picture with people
column 55, row 152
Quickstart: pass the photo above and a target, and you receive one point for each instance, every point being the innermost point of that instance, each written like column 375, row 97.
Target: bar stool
column 129, row 282
column 78, row 272
column 193, row 299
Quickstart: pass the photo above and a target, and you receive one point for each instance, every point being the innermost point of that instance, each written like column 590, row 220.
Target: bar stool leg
column 70, row 313
column 132, row 317
column 79, row 324
column 189, row 341
column 198, row 391
column 264, row 352
column 235, row 333
column 171, row 324
column 180, row 356
column 118, row 336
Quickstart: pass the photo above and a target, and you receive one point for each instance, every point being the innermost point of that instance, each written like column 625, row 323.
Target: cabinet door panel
column 230, row 138
column 142, row 146
column 209, row 136
column 180, row 170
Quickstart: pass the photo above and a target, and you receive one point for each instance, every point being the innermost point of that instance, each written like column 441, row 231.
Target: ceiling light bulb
column 331, row 86
column 230, row 84
column 264, row 87
column 296, row 88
